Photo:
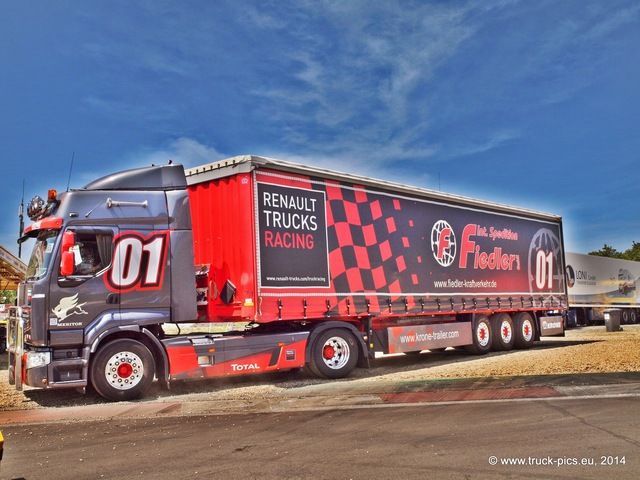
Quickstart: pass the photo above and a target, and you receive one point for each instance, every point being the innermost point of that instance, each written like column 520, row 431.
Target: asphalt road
column 593, row 435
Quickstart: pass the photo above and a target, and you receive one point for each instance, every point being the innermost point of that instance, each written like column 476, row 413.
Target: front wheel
column 122, row 370
column 334, row 354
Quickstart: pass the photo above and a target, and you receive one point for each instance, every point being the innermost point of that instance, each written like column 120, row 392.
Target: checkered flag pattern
column 367, row 251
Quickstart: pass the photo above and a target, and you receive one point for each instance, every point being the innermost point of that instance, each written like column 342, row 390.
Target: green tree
column 8, row 296
column 632, row 253
column 607, row 251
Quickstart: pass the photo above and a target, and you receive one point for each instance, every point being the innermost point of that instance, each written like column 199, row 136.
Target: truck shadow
column 287, row 380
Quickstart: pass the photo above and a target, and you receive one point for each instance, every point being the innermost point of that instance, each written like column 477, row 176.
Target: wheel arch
column 142, row 335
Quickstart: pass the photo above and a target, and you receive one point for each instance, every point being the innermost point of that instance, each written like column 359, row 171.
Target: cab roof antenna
column 21, row 217
column 70, row 168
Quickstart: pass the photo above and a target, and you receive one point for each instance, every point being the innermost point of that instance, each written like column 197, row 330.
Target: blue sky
column 534, row 104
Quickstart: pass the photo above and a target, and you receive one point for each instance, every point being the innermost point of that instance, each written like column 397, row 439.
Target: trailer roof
column 248, row 163
column 12, row 270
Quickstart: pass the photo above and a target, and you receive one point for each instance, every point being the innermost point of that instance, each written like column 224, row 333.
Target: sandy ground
column 582, row 350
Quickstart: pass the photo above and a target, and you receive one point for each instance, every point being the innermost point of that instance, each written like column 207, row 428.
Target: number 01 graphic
column 545, row 261
column 138, row 262
column 544, row 270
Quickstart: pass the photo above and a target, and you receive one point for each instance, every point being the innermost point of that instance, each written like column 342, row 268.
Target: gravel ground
column 582, row 350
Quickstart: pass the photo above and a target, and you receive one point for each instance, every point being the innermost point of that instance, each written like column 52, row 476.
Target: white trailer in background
column 596, row 284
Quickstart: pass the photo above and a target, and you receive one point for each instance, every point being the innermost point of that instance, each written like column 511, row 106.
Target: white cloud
column 186, row 151
column 609, row 23
column 496, row 139
column 366, row 65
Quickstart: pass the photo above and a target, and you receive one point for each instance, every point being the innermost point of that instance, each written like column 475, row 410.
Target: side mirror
column 67, row 259
column 68, row 240
column 67, row 263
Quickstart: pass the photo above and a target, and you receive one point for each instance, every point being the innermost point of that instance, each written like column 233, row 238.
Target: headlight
column 38, row 359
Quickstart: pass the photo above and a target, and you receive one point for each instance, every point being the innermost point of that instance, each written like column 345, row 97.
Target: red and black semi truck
column 319, row 269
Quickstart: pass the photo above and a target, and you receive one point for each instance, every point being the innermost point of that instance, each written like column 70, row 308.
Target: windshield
column 41, row 256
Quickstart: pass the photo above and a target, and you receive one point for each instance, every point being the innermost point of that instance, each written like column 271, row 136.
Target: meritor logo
column 443, row 243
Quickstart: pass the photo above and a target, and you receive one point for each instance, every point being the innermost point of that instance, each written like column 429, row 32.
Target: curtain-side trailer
column 596, row 284
column 321, row 270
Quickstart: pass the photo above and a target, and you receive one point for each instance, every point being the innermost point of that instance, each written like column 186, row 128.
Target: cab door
column 139, row 273
column 80, row 295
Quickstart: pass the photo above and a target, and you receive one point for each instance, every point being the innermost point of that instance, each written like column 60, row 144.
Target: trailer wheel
column 524, row 328
column 334, row 354
column 481, row 333
column 634, row 316
column 502, row 329
column 122, row 370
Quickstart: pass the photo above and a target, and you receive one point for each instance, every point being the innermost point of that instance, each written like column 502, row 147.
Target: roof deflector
column 155, row 177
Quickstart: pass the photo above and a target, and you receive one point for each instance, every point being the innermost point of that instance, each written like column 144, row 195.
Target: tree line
column 632, row 253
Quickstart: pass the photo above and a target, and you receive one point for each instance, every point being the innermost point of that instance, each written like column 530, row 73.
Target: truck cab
column 104, row 268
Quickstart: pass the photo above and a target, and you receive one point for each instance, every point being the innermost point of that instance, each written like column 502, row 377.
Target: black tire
column 524, row 329
column 122, row 370
column 502, row 332
column 481, row 335
column 624, row 316
column 334, row 353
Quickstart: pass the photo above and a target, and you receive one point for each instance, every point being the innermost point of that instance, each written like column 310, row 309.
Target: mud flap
column 551, row 326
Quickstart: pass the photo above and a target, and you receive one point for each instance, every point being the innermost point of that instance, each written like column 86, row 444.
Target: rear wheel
column 122, row 370
column 524, row 329
column 503, row 336
column 334, row 353
column 481, row 333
